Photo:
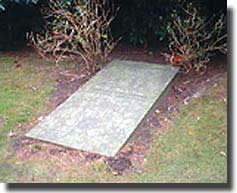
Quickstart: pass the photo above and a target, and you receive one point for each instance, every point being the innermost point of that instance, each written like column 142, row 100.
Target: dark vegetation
column 16, row 19
column 139, row 22
column 193, row 38
column 143, row 22
column 190, row 31
column 77, row 30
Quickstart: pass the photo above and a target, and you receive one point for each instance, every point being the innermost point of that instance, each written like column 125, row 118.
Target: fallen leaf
column 41, row 118
column 11, row 134
column 34, row 89
column 114, row 173
column 223, row 153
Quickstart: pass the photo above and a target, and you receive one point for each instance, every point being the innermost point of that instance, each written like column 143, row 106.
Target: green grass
column 193, row 149
column 22, row 93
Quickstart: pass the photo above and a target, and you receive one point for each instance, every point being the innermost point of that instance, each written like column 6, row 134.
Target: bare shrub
column 79, row 29
column 193, row 39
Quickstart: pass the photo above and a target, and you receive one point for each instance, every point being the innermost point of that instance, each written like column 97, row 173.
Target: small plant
column 77, row 28
column 193, row 38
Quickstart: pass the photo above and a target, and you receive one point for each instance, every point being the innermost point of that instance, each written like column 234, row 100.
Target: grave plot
column 101, row 115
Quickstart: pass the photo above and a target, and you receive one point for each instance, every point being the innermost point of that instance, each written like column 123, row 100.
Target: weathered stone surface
column 101, row 115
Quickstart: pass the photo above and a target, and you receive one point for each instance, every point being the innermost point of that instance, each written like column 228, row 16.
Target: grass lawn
column 193, row 149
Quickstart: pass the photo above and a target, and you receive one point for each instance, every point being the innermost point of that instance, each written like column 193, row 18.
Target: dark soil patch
column 64, row 90
column 16, row 143
column 138, row 54
column 119, row 165
column 56, row 151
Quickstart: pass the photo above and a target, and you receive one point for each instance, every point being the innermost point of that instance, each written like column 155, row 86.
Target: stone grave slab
column 101, row 115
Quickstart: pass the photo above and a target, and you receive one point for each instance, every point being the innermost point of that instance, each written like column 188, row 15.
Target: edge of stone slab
column 71, row 147
column 156, row 65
